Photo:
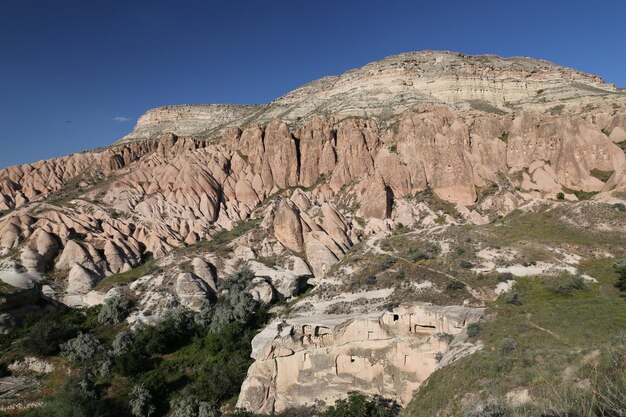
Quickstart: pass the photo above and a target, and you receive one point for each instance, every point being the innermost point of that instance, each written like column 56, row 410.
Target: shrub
column 514, row 299
column 371, row 280
column 620, row 207
column 560, row 196
column 620, row 267
column 236, row 305
column 505, row 276
column 171, row 331
column 357, row 405
column 508, row 344
column 466, row 264
column 190, row 407
column 417, row 256
column 493, row 409
column 455, row 285
column 46, row 336
column 568, row 285
column 387, row 263
column 76, row 398
column 123, row 343
column 81, row 348
column 114, row 310
column 473, row 329
column 140, row 403
column 400, row 274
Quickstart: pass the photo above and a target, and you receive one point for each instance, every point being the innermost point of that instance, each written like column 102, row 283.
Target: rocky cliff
column 379, row 353
column 293, row 189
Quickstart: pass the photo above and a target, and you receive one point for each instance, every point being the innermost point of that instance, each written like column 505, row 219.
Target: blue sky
column 90, row 62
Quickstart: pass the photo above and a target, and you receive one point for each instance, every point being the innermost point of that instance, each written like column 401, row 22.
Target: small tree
column 123, row 343
column 46, row 336
column 114, row 310
column 141, row 402
column 188, row 406
column 81, row 348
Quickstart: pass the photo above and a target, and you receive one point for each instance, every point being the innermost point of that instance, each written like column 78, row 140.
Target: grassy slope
column 551, row 332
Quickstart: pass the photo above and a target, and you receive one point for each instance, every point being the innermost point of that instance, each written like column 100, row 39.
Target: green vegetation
column 548, row 346
column 149, row 267
column 556, row 110
column 581, row 195
column 546, row 227
column 601, row 175
column 358, row 405
column 620, row 268
column 221, row 239
column 560, row 196
column 504, row 136
column 187, row 361
column 485, row 106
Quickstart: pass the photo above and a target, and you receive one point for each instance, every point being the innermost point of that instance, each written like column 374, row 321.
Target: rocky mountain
column 386, row 195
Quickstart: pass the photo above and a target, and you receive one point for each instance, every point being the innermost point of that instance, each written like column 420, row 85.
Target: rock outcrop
column 322, row 358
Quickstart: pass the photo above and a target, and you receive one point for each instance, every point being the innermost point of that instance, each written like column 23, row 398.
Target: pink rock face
column 368, row 141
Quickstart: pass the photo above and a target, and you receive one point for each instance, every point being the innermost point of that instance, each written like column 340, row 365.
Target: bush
column 400, row 274
column 568, row 285
column 114, row 310
column 123, row 343
column 172, row 331
column 505, row 276
column 620, row 267
column 357, row 405
column 387, row 263
column 81, row 348
column 455, row 285
column 513, row 299
column 76, row 398
column 371, row 280
column 489, row 410
column 191, row 407
column 236, row 305
column 466, row 264
column 560, row 196
column 140, row 403
column 508, row 344
column 46, row 336
column 473, row 329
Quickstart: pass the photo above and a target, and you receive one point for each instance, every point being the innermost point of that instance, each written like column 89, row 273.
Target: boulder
column 191, row 291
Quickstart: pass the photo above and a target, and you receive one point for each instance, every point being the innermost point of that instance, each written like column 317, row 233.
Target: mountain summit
column 388, row 87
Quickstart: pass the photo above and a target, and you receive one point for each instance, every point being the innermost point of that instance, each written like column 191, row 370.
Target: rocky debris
column 382, row 353
column 31, row 365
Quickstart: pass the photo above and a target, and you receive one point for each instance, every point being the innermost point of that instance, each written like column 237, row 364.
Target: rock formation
column 388, row 354
column 289, row 189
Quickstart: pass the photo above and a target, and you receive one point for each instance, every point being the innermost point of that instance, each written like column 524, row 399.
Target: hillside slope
column 356, row 232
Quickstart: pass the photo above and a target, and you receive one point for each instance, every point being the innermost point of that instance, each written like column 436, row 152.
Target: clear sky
column 101, row 64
